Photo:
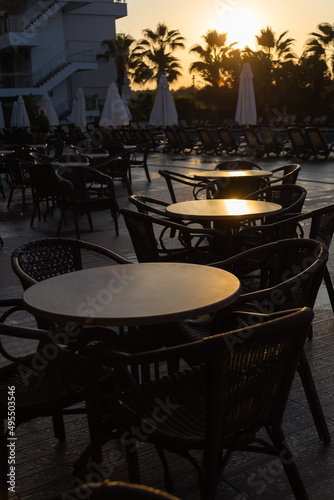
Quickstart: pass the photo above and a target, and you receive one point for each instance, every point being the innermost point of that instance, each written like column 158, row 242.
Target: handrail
column 61, row 60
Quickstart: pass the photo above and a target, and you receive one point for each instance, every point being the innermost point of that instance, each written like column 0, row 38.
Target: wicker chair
column 275, row 277
column 19, row 178
column 85, row 190
column 117, row 168
column 197, row 188
column 215, row 406
column 46, row 382
column 290, row 196
column 317, row 224
column 146, row 204
column 41, row 259
column 237, row 165
column 45, row 187
column 160, row 239
column 289, row 174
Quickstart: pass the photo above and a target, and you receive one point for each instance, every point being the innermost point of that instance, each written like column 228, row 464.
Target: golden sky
column 241, row 19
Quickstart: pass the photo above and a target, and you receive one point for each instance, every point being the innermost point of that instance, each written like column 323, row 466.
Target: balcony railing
column 20, row 23
column 60, row 62
column 19, row 80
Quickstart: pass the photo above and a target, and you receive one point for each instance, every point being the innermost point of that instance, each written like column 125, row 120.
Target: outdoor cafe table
column 235, row 183
column 133, row 294
column 231, row 174
column 230, row 210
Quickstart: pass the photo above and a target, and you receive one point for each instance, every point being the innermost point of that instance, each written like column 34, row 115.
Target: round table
column 133, row 294
column 229, row 174
column 228, row 210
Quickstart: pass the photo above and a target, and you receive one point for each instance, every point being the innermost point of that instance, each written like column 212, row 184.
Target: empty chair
column 172, row 143
column 187, row 144
column 62, row 380
column 19, row 178
column 299, row 144
column 228, row 142
column 218, row 406
column 318, row 143
column 237, row 165
column 208, row 143
column 274, row 277
column 77, row 197
column 272, row 145
column 147, row 204
column 45, row 188
column 158, row 239
column 289, row 174
column 317, row 224
column 41, row 259
column 254, row 143
column 137, row 155
column 290, row 196
column 117, row 167
column 175, row 180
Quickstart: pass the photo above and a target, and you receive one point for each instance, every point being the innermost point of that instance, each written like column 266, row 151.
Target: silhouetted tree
column 120, row 49
column 322, row 44
column 277, row 49
column 152, row 56
column 214, row 56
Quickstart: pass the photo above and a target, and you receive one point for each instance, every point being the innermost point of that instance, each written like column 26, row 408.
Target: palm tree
column 212, row 66
column 153, row 56
column 279, row 49
column 118, row 48
column 322, row 44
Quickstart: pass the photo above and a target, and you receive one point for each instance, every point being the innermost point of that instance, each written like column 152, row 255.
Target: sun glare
column 240, row 25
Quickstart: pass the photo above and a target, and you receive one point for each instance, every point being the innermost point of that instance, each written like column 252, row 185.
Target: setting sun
column 240, row 25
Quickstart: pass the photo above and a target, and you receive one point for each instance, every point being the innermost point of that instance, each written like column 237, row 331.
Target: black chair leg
column 329, row 286
column 58, row 426
column 313, row 399
column 289, row 465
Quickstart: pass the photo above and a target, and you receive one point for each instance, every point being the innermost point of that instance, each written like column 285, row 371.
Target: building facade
column 51, row 46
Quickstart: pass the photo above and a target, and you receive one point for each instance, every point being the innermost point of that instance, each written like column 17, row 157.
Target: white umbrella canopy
column 164, row 111
column 246, row 107
column 22, row 118
column 73, row 112
column 113, row 113
column 80, row 112
column 13, row 116
column 50, row 111
column 2, row 119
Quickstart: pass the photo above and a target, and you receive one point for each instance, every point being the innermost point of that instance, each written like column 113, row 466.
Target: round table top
column 133, row 294
column 223, row 174
column 222, row 209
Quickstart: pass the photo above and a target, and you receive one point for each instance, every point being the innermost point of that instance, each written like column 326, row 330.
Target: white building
column 51, row 46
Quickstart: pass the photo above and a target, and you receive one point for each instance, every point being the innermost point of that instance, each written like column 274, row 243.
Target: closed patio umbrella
column 2, row 120
column 246, row 107
column 80, row 111
column 164, row 111
column 49, row 110
column 13, row 116
column 22, row 118
column 113, row 113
